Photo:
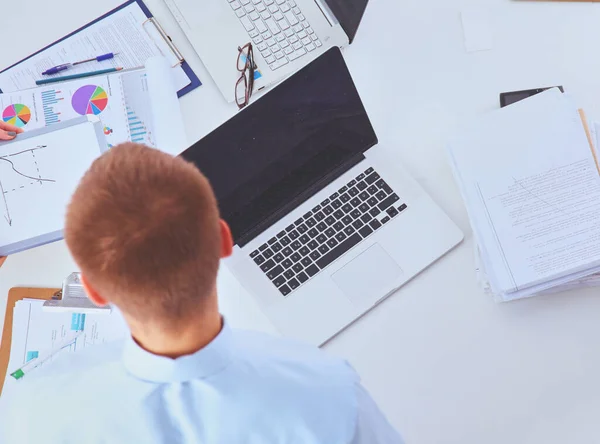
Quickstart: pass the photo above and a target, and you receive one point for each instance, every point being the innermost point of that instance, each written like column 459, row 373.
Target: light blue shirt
column 244, row 387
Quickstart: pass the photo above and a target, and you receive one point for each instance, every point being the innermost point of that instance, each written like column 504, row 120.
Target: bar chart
column 137, row 130
column 50, row 103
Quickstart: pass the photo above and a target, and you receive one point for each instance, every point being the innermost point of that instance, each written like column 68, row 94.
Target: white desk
column 446, row 364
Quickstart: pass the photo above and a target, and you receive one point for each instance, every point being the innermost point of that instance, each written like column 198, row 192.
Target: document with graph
column 139, row 106
column 39, row 171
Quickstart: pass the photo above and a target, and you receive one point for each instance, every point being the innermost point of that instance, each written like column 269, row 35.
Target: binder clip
column 72, row 299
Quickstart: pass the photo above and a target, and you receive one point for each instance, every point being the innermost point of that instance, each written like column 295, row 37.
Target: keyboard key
column 361, row 186
column 357, row 224
column 392, row 212
column 312, row 270
column 293, row 283
column 345, row 197
column 313, row 244
column 372, row 178
column 347, row 208
column 336, row 204
column 290, row 228
column 318, row 43
column 310, row 30
column 307, row 215
column 351, row 183
column 325, row 202
column 385, row 220
column 321, row 238
column 235, row 5
column 287, row 251
column 259, row 260
column 302, row 228
column 372, row 190
column 304, row 239
column 323, row 249
column 321, row 226
column 305, row 24
column 338, row 226
column 366, row 217
column 278, row 16
column 302, row 35
column 374, row 211
column 364, row 207
column 280, row 38
column 339, row 251
column 267, row 265
column 306, row 261
column 363, row 196
column 279, row 281
column 384, row 186
column 298, row 267
column 375, row 224
column 265, row 15
column 304, row 251
column 295, row 257
column 247, row 23
column 278, row 257
column 313, row 233
column 311, row 222
column 286, row 263
column 369, row 171
column 256, row 38
column 299, row 221
column 317, row 208
column 276, row 247
column 281, row 234
column 249, row 8
column 353, row 192
column 279, row 62
column 289, row 32
column 314, row 37
column 268, row 253
column 349, row 230
column 331, row 243
column 285, row 241
column 261, row 7
column 343, row 190
column 381, row 195
column 285, row 290
column 294, row 234
column 340, row 236
column 296, row 245
column 270, row 59
column 347, row 219
column 329, row 232
column 330, row 220
column 271, row 42
column 360, row 177
column 355, row 213
column 355, row 202
column 319, row 216
column 402, row 208
column 302, row 277
column 262, row 46
column 334, row 196
column 365, row 231
column 301, row 18
column 315, row 255
column 390, row 200
column 289, row 274
column 327, row 210
column 291, row 18
column 285, row 44
column 274, row 272
column 310, row 47
column 338, row 214
column 372, row 201
column 273, row 8
column 254, row 253
column 297, row 11
column 285, row 7
column 263, row 247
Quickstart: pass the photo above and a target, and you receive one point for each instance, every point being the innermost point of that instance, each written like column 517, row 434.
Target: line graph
column 21, row 169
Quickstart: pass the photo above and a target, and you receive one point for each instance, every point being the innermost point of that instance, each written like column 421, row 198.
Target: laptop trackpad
column 365, row 278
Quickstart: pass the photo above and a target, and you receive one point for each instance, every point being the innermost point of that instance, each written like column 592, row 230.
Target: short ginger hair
column 143, row 226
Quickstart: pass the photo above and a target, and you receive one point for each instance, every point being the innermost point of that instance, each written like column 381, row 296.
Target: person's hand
column 8, row 132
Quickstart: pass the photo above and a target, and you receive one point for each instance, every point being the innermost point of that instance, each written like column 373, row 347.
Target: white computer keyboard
column 278, row 29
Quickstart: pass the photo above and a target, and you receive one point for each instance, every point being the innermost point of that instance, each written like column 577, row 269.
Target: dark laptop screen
column 262, row 161
column 349, row 13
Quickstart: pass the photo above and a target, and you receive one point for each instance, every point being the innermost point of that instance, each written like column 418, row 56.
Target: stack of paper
column 36, row 333
column 530, row 181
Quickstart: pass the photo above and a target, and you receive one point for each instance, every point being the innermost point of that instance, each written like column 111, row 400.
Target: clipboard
column 150, row 23
column 14, row 295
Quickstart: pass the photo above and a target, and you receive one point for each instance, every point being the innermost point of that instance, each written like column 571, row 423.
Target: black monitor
column 349, row 13
column 286, row 146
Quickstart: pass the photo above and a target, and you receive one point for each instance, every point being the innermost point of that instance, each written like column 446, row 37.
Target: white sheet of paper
column 477, row 29
column 122, row 32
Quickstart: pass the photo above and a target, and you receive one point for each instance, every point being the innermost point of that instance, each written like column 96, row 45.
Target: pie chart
column 17, row 115
column 89, row 99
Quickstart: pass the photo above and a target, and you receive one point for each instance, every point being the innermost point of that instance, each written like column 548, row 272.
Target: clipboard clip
column 152, row 21
column 72, row 298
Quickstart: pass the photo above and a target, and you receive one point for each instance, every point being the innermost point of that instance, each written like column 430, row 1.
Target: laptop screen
column 262, row 161
column 349, row 13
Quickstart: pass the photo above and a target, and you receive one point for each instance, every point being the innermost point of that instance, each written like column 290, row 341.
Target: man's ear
column 92, row 294
column 226, row 240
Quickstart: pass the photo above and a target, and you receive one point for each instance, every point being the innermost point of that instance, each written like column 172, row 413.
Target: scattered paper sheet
column 477, row 30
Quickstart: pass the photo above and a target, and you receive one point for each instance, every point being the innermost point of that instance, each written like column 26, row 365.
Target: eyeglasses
column 245, row 84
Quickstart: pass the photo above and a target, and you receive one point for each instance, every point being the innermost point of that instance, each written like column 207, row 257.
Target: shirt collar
column 209, row 360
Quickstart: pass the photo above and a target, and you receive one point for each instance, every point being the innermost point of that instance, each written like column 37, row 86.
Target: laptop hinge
column 299, row 200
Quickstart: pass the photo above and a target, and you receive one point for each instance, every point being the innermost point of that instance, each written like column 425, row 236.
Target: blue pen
column 59, row 68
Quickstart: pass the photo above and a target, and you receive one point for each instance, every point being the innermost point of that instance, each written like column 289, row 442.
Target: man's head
column 144, row 228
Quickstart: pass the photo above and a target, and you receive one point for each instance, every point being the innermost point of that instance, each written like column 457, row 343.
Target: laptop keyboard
column 278, row 29
column 329, row 230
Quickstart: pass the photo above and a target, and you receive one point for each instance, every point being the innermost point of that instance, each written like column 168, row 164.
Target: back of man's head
column 143, row 227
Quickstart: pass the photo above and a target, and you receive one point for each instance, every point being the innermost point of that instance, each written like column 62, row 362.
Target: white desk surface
column 445, row 363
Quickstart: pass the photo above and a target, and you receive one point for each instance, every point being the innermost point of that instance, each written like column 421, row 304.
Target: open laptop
column 286, row 34
column 325, row 225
